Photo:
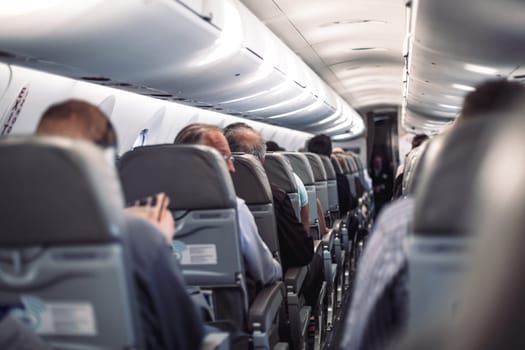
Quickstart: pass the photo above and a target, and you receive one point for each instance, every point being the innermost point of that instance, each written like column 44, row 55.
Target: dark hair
column 272, row 146
column 74, row 115
column 240, row 143
column 418, row 139
column 492, row 96
column 320, row 144
column 192, row 134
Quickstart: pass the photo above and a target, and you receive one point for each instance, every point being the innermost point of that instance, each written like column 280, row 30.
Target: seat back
column 347, row 171
column 321, row 180
column 252, row 185
column 355, row 175
column 302, row 168
column 333, row 203
column 492, row 310
column 203, row 203
column 279, row 172
column 439, row 246
column 63, row 258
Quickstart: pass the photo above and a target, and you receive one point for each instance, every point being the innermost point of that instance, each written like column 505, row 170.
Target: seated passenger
column 261, row 267
column 169, row 318
column 295, row 243
column 272, row 146
column 322, row 144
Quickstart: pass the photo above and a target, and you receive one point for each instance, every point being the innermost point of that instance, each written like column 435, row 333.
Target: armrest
column 294, row 278
column 328, row 239
column 265, row 307
column 216, row 341
column 318, row 247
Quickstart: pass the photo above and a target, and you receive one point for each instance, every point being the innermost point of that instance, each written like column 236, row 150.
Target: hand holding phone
column 155, row 210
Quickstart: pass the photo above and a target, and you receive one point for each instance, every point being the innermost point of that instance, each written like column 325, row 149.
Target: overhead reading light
column 481, row 69
column 463, row 87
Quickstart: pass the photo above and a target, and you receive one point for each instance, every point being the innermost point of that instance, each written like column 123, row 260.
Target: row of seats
column 83, row 225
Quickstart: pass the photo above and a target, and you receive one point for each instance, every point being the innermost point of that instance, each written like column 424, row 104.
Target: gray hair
column 239, row 143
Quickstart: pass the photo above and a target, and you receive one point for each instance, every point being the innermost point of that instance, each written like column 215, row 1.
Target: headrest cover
column 301, row 167
column 57, row 191
column 328, row 167
column 193, row 176
column 317, row 166
column 250, row 180
column 279, row 172
column 445, row 190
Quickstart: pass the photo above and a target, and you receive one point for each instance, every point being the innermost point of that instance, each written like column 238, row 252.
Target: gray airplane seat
column 252, row 185
column 302, row 168
column 439, row 244
column 333, row 203
column 321, row 181
column 493, row 310
column 279, row 172
column 339, row 161
column 206, row 240
column 64, row 268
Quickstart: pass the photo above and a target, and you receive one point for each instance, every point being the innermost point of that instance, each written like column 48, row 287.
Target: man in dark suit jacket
column 295, row 243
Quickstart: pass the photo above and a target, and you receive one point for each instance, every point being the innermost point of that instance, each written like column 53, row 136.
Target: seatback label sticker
column 58, row 318
column 195, row 254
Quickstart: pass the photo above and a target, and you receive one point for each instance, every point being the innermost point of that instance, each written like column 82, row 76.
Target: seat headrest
column 57, row 191
column 279, row 172
column 337, row 165
column 494, row 307
column 328, row 167
column 301, row 167
column 445, row 190
column 317, row 166
column 193, row 176
column 358, row 162
column 250, row 180
column 352, row 165
column 343, row 164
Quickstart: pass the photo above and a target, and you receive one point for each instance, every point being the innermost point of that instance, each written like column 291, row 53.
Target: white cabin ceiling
column 355, row 46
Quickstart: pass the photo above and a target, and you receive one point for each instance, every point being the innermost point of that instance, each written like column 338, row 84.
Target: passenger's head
column 272, row 146
column 78, row 119
column 418, row 139
column 320, row 144
column 493, row 96
column 208, row 135
column 243, row 138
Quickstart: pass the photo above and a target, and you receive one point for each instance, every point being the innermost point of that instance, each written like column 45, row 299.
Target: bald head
column 77, row 119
